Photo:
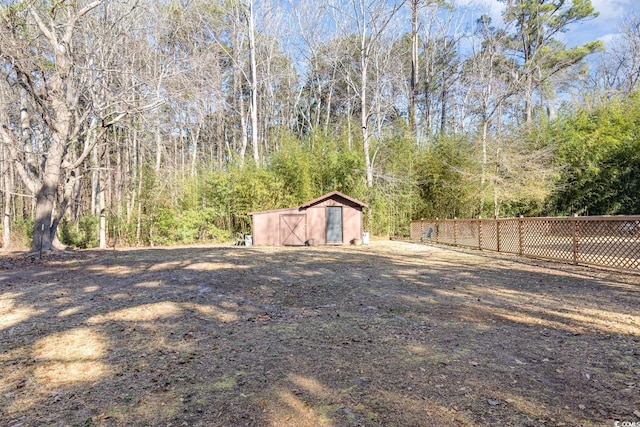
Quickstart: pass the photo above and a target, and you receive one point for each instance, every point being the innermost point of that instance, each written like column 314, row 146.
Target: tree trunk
column 132, row 172
column 103, row 218
column 158, row 151
column 6, row 215
column 239, row 97
column 95, row 183
column 25, row 134
column 254, row 87
column 364, row 115
column 140, row 175
column 483, row 176
column 44, row 226
column 244, row 138
column 443, row 103
column 119, row 179
column 528, row 100
column 413, row 111
column 327, row 119
column 219, row 119
column 195, row 138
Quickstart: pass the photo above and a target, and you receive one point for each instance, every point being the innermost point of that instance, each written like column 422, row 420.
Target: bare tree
column 413, row 91
column 310, row 45
column 47, row 58
column 490, row 82
column 367, row 21
column 618, row 69
column 253, row 86
column 416, row 23
column 54, row 93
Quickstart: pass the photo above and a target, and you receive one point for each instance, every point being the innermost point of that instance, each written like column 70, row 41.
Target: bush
column 163, row 227
column 21, row 233
column 83, row 234
column 199, row 225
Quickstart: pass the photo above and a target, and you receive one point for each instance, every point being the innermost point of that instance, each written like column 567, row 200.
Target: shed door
column 334, row 224
column 293, row 229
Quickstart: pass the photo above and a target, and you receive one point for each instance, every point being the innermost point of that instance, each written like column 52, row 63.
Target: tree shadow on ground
column 384, row 335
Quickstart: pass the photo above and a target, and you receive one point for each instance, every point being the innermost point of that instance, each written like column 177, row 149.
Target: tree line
column 156, row 122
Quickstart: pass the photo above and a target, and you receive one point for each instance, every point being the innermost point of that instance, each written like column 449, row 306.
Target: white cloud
column 610, row 39
column 606, row 26
column 612, row 10
column 469, row 11
column 493, row 8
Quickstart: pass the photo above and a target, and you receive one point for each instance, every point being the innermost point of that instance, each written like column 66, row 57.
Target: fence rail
column 592, row 240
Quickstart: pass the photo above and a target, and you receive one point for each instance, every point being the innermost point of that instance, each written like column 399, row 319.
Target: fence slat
column 575, row 242
column 520, row 236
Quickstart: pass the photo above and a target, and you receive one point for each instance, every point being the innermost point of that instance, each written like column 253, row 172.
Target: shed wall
column 352, row 224
column 317, row 223
column 266, row 226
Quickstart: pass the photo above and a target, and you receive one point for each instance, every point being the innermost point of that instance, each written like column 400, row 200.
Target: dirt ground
column 390, row 334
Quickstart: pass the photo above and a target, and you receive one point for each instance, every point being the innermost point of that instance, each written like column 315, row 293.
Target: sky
column 605, row 27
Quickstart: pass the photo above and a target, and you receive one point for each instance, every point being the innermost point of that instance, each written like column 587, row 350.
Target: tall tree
column 43, row 54
column 46, row 73
column 413, row 89
column 368, row 21
column 534, row 42
column 253, row 84
column 490, row 84
column 419, row 45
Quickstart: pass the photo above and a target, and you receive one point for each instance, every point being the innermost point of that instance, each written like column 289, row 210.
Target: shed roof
column 330, row 195
column 316, row 201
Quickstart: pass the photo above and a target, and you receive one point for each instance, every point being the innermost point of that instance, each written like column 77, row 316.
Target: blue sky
column 605, row 27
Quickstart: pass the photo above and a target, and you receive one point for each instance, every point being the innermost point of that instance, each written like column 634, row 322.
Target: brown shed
column 334, row 218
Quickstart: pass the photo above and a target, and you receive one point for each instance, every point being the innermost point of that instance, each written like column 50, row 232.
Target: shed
column 334, row 218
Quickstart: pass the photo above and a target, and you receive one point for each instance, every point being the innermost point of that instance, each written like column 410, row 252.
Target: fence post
column 480, row 233
column 575, row 239
column 520, row 234
column 455, row 237
column 498, row 235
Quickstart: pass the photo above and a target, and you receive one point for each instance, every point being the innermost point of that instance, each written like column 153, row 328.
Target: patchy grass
column 390, row 334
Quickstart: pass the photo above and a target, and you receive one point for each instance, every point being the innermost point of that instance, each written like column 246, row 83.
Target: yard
column 388, row 334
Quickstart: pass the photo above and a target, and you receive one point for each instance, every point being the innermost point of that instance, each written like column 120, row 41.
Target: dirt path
column 389, row 334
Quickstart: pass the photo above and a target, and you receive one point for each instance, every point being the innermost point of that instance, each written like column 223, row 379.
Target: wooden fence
column 609, row 241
